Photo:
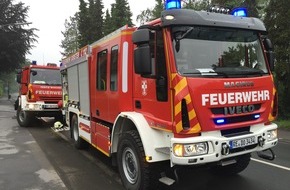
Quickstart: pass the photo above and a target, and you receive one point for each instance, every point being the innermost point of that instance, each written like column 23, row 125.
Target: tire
column 23, row 118
column 78, row 141
column 241, row 164
column 134, row 171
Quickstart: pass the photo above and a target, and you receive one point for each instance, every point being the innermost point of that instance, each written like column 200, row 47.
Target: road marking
column 270, row 164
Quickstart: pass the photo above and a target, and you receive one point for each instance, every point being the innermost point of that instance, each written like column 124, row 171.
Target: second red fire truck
column 191, row 88
column 39, row 93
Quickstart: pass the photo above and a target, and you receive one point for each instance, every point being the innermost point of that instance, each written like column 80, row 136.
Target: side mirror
column 270, row 53
column 141, row 36
column 271, row 59
column 18, row 75
column 142, row 54
column 142, row 60
column 268, row 44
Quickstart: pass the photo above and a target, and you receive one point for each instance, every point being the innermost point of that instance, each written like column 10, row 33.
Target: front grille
column 217, row 111
column 49, row 99
column 235, row 116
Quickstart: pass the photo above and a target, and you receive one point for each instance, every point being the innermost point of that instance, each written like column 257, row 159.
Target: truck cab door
column 152, row 84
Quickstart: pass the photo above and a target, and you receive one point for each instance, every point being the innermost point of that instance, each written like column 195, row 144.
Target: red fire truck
column 39, row 93
column 191, row 88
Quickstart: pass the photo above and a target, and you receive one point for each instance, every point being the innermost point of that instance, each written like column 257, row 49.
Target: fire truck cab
column 191, row 88
column 39, row 93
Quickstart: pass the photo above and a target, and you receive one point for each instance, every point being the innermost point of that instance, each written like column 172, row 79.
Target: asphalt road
column 79, row 169
column 89, row 169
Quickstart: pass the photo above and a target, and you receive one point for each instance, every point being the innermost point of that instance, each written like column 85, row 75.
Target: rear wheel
column 135, row 172
column 78, row 141
column 24, row 119
column 241, row 164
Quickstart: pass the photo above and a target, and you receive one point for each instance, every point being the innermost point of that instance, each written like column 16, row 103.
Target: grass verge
column 285, row 124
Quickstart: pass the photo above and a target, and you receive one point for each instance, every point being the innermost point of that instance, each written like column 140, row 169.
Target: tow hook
column 261, row 141
column 225, row 149
column 267, row 156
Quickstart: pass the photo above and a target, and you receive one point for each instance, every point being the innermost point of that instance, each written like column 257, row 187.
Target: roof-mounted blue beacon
column 240, row 11
column 172, row 4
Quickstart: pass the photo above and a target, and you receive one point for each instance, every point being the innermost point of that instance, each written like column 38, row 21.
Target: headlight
column 185, row 150
column 272, row 135
column 32, row 106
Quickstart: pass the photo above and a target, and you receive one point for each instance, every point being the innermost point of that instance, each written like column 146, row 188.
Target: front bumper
column 220, row 147
column 41, row 106
column 41, row 109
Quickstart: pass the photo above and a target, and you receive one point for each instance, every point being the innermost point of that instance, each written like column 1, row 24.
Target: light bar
column 217, row 9
column 240, row 11
column 172, row 4
column 33, row 63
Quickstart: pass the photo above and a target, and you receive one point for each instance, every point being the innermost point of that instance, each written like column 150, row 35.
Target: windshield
column 208, row 51
column 45, row 76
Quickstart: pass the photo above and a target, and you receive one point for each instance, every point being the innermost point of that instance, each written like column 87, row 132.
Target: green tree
column 90, row 22
column 151, row 14
column 120, row 14
column 144, row 16
column 70, row 41
column 251, row 5
column 95, row 12
column 277, row 22
column 196, row 5
column 83, row 24
column 15, row 36
column 107, row 28
column 159, row 7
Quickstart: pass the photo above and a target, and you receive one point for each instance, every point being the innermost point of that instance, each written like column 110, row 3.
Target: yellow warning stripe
column 180, row 86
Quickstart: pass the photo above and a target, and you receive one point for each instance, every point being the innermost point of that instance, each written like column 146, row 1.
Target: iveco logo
column 239, row 109
column 238, row 84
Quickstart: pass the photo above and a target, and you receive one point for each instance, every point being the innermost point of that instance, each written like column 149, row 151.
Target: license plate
column 242, row 142
column 50, row 106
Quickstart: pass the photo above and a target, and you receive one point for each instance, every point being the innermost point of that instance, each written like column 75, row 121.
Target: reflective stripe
column 125, row 68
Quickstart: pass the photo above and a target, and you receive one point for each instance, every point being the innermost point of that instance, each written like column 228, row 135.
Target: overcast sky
column 48, row 16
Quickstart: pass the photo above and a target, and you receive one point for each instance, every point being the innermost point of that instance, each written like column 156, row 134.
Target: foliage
column 144, row 16
column 16, row 39
column 151, row 14
column 251, row 5
column 83, row 24
column 107, row 28
column 159, row 7
column 96, row 20
column 70, row 41
column 285, row 124
column 277, row 22
column 90, row 22
column 121, row 14
column 196, row 5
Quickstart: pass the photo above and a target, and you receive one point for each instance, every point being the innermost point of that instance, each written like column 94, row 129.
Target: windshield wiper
column 209, row 73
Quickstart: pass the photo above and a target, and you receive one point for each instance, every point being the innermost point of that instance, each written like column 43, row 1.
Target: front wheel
column 241, row 164
column 24, row 119
column 135, row 172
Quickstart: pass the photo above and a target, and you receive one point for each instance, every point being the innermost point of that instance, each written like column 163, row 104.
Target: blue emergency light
column 33, row 63
column 220, row 121
column 172, row 4
column 240, row 11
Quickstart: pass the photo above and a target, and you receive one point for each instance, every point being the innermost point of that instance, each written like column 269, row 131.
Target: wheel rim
column 130, row 165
